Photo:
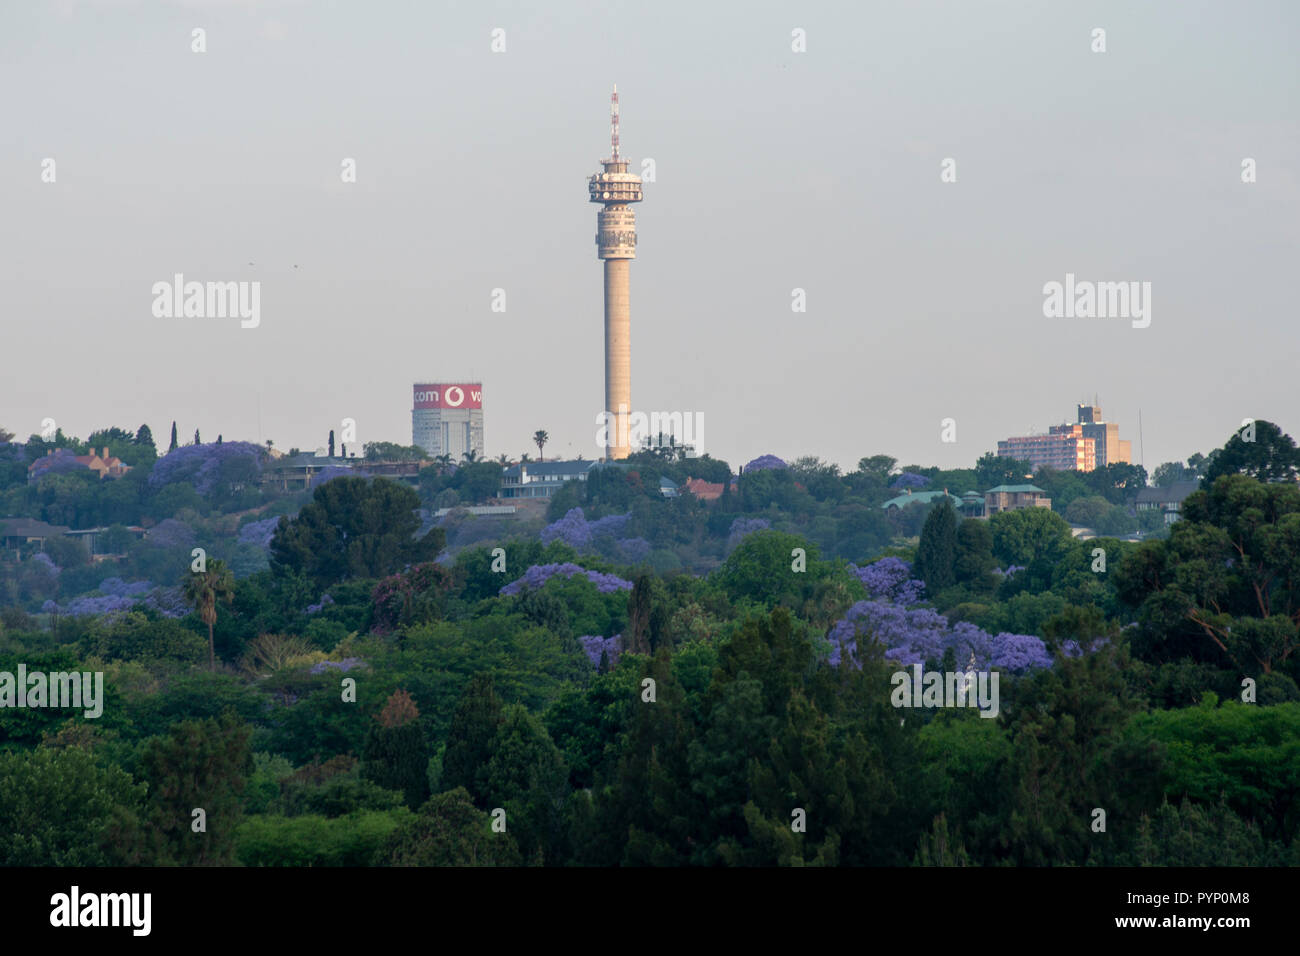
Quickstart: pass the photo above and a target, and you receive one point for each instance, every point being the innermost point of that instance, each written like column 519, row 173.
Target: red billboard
column 465, row 395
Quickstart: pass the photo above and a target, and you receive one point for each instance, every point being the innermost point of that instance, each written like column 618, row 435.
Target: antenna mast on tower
column 613, row 122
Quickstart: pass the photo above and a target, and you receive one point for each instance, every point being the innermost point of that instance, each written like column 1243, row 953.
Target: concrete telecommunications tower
column 615, row 189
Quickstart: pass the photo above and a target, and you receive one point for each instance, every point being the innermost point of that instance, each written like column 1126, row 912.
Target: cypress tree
column 936, row 555
column 638, row 616
column 172, row 446
column 395, row 755
column 469, row 741
column 974, row 556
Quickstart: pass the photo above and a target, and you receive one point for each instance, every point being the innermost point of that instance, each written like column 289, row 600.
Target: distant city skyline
column 462, row 246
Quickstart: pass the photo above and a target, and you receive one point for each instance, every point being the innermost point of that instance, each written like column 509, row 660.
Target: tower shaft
column 618, row 355
column 615, row 189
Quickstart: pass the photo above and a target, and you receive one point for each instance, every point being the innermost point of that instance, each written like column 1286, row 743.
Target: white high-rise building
column 447, row 419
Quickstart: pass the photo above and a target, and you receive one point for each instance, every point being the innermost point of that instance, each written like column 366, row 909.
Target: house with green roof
column 920, row 497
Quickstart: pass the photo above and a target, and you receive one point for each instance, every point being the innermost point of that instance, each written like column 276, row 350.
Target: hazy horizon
column 774, row 170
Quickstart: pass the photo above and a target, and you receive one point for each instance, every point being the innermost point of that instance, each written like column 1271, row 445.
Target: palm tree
column 444, row 462
column 202, row 591
column 525, row 458
column 470, row 457
column 540, row 438
column 503, row 460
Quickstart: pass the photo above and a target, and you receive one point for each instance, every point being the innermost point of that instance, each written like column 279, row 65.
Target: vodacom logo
column 453, row 396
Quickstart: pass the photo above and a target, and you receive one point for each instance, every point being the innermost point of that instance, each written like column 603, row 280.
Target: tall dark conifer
column 936, row 555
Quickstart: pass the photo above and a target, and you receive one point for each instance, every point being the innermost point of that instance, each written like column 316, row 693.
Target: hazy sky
column 775, row 170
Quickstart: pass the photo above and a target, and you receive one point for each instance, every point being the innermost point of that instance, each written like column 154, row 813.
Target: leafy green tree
column 708, row 469
column 1088, row 511
column 1271, row 455
column 1229, row 573
column 1243, row 754
column 203, row 591
column 1200, row 464
column 1031, row 538
column 354, row 528
column 877, row 466
column 1197, row 835
column 526, row 776
column 450, row 831
column 1069, row 755
column 388, row 451
column 994, row 470
column 761, row 570
column 939, row 848
column 936, row 554
column 197, row 764
column 149, row 639
column 1118, row 482
column 1170, row 473
column 62, row 807
column 477, row 481
column 360, row 839
column 1064, row 487
column 646, row 813
column 68, row 552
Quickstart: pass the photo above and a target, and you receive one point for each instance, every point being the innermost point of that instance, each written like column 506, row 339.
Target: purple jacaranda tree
column 609, row 525
column 62, row 462
column 117, row 595
column 765, row 461
column 917, row 635
column 120, row 588
column 538, row 574
column 207, row 466
column 593, row 646
column 633, row 550
column 259, row 533
column 572, row 529
column 324, row 602
column 330, row 472
column 44, row 561
column 910, row 479
column 890, row 579
column 171, row 533
column 167, row 601
column 742, row 527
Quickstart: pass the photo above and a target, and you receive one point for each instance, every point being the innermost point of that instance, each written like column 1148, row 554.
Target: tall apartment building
column 1083, row 445
column 1111, row 449
column 1064, row 448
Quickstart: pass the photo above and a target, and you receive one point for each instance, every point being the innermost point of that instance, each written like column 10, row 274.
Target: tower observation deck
column 616, row 189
